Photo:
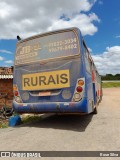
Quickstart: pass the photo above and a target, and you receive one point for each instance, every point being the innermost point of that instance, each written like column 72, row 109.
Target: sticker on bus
column 46, row 80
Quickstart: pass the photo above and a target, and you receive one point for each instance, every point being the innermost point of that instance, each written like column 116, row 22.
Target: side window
column 87, row 60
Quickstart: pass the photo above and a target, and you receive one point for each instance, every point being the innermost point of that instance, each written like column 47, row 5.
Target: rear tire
column 95, row 111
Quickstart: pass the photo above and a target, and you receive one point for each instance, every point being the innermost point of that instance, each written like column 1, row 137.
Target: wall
column 6, row 86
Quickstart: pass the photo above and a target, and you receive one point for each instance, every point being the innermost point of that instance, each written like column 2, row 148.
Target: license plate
column 46, row 80
column 44, row 93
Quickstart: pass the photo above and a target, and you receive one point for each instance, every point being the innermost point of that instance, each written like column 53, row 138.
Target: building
column 6, row 85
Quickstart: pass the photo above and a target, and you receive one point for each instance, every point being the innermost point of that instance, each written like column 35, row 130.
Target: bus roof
column 50, row 32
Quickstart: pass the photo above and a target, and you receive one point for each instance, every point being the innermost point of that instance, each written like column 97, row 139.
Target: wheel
column 95, row 111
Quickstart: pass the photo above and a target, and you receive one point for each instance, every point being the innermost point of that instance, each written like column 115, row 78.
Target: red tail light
column 79, row 89
column 16, row 93
column 17, row 97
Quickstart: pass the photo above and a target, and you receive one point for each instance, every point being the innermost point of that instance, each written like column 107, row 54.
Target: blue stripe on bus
column 53, row 107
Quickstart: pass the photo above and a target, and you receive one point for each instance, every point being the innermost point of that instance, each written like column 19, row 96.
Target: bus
column 55, row 73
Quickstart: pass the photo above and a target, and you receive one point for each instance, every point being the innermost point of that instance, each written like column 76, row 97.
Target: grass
column 25, row 119
column 110, row 84
column 3, row 123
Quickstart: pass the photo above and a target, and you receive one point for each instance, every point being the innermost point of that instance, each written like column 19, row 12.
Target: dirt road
column 99, row 132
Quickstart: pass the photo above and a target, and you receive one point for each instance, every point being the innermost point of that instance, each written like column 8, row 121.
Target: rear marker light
column 79, row 89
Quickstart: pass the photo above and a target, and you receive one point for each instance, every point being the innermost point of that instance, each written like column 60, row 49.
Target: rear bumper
column 52, row 107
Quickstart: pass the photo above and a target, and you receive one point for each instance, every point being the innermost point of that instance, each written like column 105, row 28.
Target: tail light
column 77, row 97
column 16, row 94
column 79, row 90
column 80, row 82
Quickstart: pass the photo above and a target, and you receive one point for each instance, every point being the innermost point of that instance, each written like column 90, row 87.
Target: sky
column 98, row 20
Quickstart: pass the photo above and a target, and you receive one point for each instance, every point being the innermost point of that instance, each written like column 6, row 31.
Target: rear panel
column 50, row 90
column 48, row 73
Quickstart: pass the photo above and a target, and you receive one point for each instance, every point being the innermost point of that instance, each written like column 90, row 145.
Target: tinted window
column 49, row 46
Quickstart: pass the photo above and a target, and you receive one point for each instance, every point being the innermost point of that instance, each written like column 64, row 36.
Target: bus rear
column 48, row 74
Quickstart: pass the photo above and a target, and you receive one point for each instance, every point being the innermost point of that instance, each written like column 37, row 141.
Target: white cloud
column 109, row 61
column 20, row 17
column 5, row 51
column 117, row 36
column 82, row 21
column 5, row 10
column 9, row 62
column 1, row 58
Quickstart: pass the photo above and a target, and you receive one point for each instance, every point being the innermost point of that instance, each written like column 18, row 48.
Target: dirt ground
column 99, row 132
